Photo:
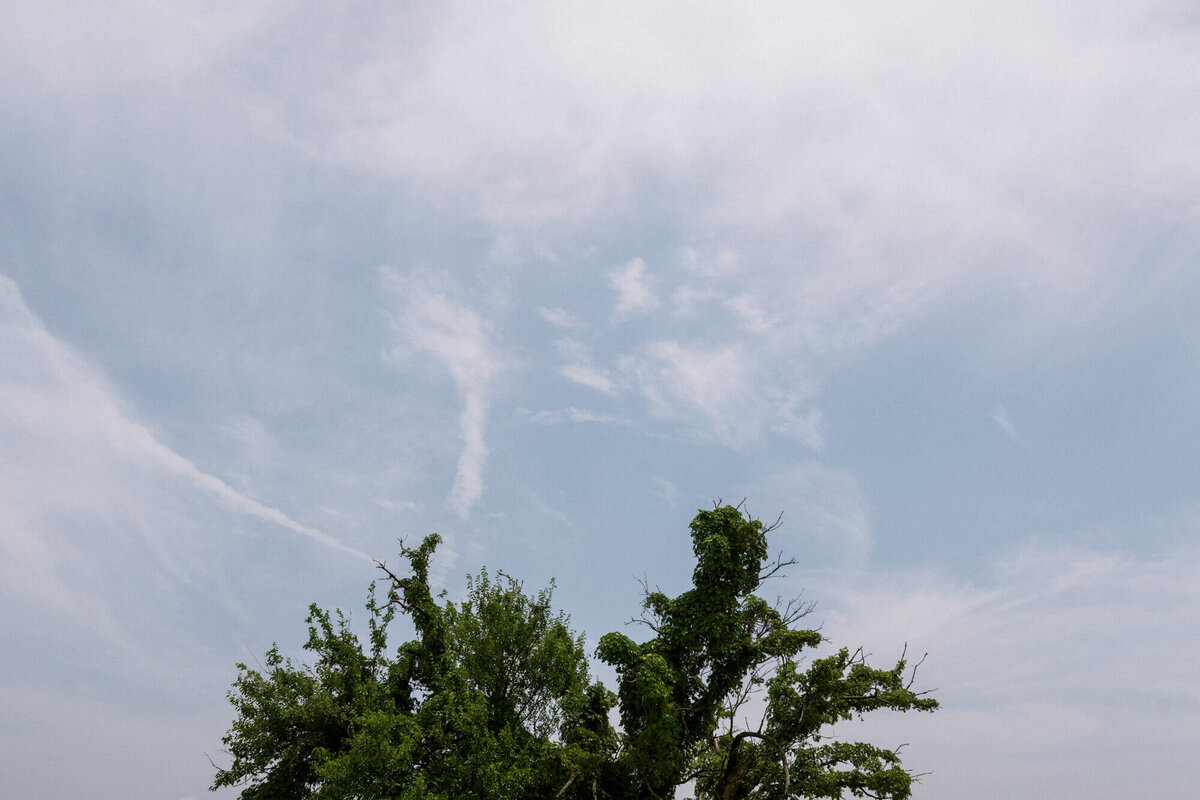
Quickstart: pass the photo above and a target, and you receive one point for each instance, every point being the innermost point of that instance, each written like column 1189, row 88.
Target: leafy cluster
column 493, row 699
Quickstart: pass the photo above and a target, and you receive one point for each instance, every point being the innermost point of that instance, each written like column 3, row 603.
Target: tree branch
column 913, row 676
column 396, row 581
column 787, row 773
column 567, row 785
column 776, row 565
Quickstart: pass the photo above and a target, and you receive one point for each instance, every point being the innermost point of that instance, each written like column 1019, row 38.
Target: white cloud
column 708, row 263
column 825, row 176
column 580, row 369
column 751, row 316
column 824, row 508
column 571, row 414
column 1001, row 418
column 1065, row 661
column 634, row 294
column 559, row 318
column 112, row 543
column 719, row 390
column 74, row 48
column 237, row 501
column 71, row 428
column 468, row 477
column 792, row 418
column 688, row 300
column 257, row 443
column 428, row 321
column 863, row 165
column 589, row 376
column 667, row 491
column 707, row 378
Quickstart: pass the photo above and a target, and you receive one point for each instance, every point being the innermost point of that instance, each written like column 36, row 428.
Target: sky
column 281, row 283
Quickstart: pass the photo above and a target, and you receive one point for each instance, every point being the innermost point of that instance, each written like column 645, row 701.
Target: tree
column 493, row 699
column 489, row 700
column 713, row 648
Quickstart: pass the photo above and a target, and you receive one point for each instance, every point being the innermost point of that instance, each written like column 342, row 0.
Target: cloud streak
column 428, row 321
column 51, row 392
column 1000, row 417
column 579, row 368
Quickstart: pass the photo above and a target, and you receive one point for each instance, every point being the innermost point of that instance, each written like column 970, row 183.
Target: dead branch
column 913, row 676
column 567, row 785
column 774, row 566
column 774, row 525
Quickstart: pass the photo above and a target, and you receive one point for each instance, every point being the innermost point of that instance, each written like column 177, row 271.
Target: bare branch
column 255, row 657
column 642, row 621
column 383, row 567
column 396, row 581
column 913, row 676
column 774, row 525
column 567, row 785
column 774, row 567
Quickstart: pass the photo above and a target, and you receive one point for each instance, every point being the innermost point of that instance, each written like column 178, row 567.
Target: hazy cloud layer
column 1065, row 654
column 921, row 277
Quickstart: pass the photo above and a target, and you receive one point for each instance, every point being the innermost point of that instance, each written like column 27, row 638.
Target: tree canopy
column 493, row 697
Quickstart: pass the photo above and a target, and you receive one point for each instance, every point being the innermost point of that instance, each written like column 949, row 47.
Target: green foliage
column 492, row 698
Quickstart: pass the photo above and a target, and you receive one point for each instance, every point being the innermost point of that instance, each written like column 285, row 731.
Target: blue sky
column 281, row 283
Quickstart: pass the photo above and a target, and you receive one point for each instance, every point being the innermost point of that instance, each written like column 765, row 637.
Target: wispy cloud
column 719, row 390
column 571, row 414
column 825, row 508
column 676, row 376
column 1001, row 418
column 427, row 320
column 48, row 390
column 1014, row 657
column 688, row 299
column 237, row 501
column 559, row 318
column 580, row 369
column 866, row 188
column 634, row 294
column 589, row 376
column 751, row 316
column 113, row 545
column 185, row 191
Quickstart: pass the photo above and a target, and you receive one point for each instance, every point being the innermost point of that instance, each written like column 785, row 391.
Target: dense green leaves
column 492, row 698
